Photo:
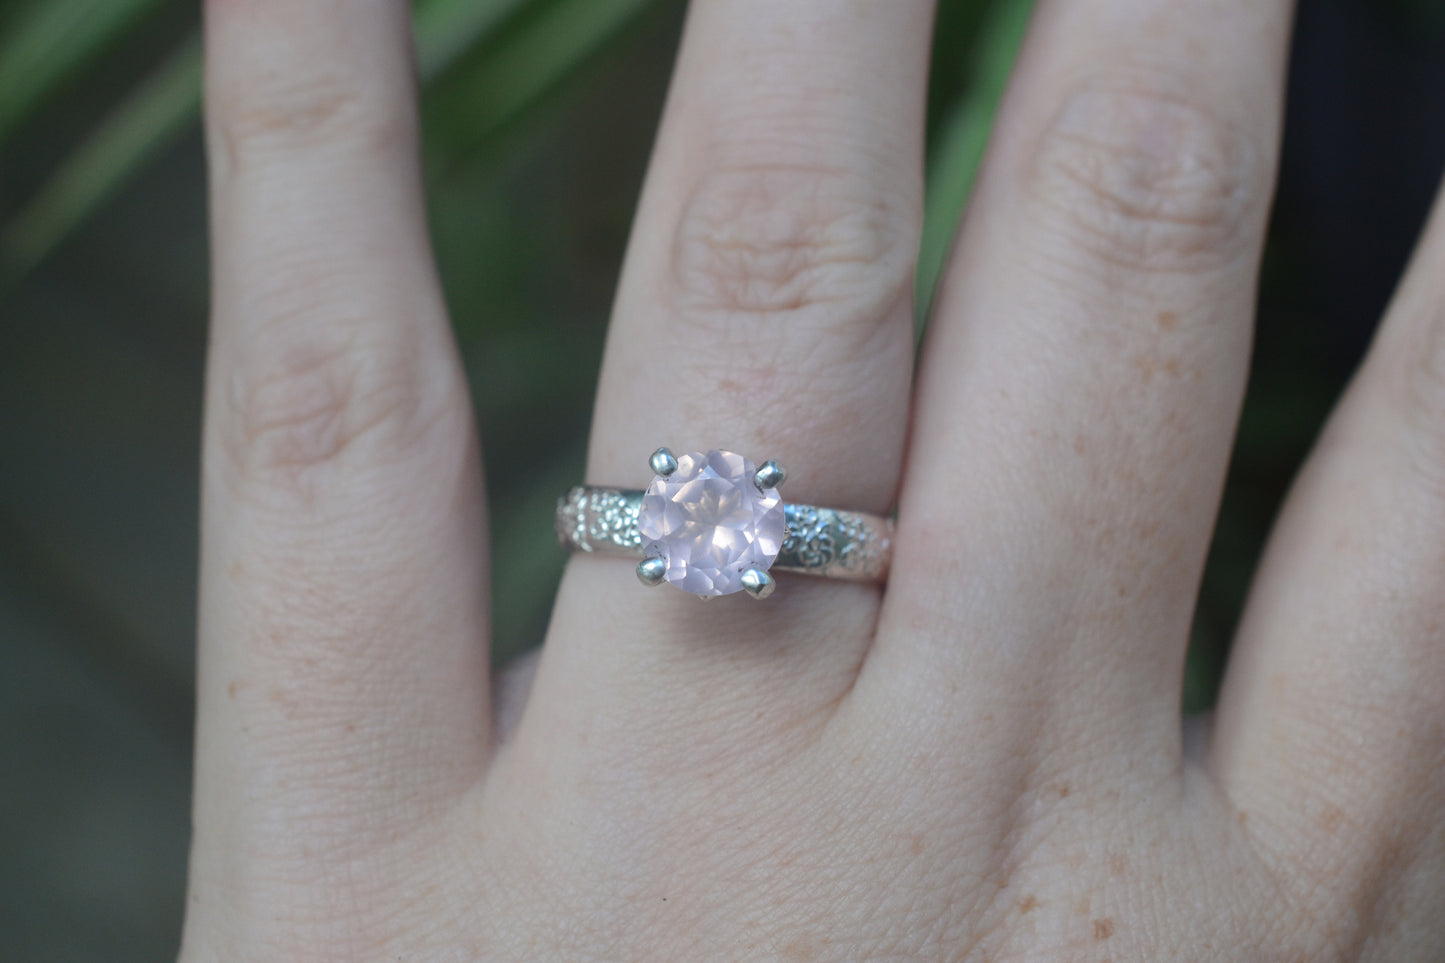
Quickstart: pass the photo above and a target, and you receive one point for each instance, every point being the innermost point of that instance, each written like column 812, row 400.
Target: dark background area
column 539, row 115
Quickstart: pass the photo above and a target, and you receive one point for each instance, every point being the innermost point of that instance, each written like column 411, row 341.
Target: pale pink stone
column 710, row 523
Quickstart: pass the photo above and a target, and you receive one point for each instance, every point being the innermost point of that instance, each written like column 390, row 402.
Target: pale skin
column 983, row 760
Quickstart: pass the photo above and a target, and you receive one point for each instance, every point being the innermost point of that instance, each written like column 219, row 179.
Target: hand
column 982, row 762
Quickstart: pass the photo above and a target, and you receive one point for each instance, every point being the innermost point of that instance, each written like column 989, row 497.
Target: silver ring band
column 821, row 541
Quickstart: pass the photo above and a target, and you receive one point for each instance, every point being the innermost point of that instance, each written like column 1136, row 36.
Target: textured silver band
column 821, row 541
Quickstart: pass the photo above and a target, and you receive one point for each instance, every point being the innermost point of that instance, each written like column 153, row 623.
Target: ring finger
column 765, row 307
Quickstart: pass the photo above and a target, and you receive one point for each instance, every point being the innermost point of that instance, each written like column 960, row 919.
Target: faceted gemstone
column 710, row 522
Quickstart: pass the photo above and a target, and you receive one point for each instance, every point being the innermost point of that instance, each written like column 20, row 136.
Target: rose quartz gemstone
column 710, row 522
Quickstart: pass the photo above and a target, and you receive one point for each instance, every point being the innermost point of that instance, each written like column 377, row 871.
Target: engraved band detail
column 820, row 541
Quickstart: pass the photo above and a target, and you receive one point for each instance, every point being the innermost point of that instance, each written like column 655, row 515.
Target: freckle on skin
column 233, row 688
column 1331, row 818
column 1028, row 903
column 1063, row 790
column 1168, row 320
column 1103, row 929
column 916, row 845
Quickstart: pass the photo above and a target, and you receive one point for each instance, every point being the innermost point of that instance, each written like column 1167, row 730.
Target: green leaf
column 52, row 40
column 531, row 53
column 954, row 160
column 528, row 46
column 447, row 29
column 147, row 120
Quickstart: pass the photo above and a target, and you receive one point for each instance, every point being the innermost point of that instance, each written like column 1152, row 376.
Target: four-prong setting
column 769, row 475
column 758, row 583
column 662, row 462
column 711, row 523
column 652, row 571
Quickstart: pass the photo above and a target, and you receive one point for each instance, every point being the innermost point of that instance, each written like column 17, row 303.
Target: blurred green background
column 538, row 118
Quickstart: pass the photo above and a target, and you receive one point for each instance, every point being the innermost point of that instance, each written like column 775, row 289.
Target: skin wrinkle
column 329, row 113
column 1141, row 159
column 756, row 242
column 283, row 105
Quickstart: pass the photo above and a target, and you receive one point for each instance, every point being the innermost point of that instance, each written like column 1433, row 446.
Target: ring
column 712, row 523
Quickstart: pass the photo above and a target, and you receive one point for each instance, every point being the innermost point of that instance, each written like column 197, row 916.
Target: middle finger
column 1083, row 375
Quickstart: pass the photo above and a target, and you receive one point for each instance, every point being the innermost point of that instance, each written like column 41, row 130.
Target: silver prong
column 758, row 584
column 662, row 462
column 651, row 571
column 770, row 475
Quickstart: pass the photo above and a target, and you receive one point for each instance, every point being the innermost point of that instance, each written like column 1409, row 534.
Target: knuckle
column 769, row 242
column 298, row 111
column 304, row 402
column 1148, row 180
